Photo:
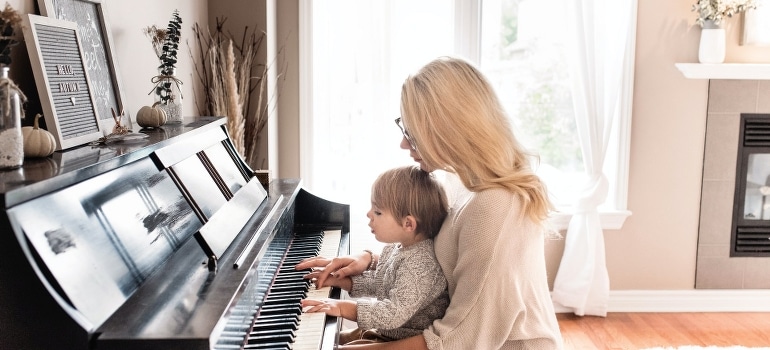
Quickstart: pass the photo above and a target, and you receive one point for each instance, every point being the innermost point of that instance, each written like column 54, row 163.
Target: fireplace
column 751, row 216
column 718, row 265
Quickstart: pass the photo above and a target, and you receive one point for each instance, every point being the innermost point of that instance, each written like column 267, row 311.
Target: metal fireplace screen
column 751, row 216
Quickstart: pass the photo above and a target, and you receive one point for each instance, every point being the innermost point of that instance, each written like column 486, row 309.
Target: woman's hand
column 339, row 267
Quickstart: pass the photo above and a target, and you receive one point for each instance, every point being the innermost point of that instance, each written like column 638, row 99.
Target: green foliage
column 168, row 57
column 550, row 126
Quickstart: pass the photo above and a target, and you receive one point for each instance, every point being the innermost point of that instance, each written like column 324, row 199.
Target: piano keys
column 171, row 243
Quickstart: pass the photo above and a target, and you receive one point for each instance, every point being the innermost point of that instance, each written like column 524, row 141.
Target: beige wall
column 656, row 248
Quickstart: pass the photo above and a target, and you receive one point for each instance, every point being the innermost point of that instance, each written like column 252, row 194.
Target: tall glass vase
column 11, row 140
column 168, row 92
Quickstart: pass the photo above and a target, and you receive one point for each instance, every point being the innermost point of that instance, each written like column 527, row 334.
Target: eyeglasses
column 406, row 134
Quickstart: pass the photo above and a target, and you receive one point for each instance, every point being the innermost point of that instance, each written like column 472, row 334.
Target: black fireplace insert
column 751, row 214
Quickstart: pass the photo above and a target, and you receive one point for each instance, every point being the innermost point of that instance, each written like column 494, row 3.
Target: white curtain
column 601, row 31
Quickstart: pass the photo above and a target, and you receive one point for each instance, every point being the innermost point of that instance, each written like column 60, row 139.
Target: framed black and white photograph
column 62, row 80
column 96, row 43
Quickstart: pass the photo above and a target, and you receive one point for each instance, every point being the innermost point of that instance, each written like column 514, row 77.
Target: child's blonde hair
column 410, row 191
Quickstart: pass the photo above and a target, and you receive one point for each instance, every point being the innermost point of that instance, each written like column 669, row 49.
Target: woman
column 491, row 246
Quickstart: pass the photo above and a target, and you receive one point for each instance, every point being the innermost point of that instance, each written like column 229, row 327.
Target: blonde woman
column 491, row 246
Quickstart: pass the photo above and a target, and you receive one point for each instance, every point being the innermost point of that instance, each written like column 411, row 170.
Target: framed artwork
column 96, row 43
column 62, row 81
column 756, row 29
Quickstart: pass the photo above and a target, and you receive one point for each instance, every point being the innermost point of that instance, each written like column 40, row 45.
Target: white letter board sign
column 62, row 81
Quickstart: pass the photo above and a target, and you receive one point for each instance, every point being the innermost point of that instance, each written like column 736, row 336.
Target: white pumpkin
column 151, row 116
column 37, row 142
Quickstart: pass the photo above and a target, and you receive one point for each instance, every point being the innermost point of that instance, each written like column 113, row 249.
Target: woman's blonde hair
column 457, row 123
column 410, row 191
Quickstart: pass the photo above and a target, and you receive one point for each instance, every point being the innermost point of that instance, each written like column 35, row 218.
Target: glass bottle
column 168, row 92
column 11, row 140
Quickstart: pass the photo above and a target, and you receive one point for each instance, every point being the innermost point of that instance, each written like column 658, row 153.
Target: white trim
column 740, row 71
column 711, row 300
column 611, row 220
column 467, row 29
column 305, row 90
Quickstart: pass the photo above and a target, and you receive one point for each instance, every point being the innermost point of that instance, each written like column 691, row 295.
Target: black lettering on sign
column 68, row 87
column 64, row 69
column 97, row 50
column 67, row 100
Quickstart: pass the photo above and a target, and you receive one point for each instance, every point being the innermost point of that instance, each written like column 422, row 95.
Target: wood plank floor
column 646, row 330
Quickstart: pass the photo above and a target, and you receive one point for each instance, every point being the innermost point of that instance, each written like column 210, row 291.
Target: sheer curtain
column 362, row 51
column 603, row 33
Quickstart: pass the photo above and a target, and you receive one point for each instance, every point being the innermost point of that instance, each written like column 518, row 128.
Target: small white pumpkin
column 151, row 116
column 37, row 142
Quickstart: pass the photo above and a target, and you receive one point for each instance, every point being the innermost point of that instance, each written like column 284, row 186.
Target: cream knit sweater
column 494, row 261
column 409, row 288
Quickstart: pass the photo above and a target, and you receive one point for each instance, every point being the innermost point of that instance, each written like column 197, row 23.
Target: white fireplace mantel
column 744, row 71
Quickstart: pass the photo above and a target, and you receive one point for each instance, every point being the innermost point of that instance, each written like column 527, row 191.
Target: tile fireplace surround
column 715, row 269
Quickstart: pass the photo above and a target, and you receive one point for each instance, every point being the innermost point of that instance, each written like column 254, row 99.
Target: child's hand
column 332, row 307
column 329, row 306
column 331, row 281
column 336, row 281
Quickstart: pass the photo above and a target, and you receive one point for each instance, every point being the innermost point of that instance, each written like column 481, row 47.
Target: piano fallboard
column 150, row 245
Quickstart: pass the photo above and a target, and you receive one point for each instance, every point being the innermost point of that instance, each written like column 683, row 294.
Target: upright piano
column 164, row 241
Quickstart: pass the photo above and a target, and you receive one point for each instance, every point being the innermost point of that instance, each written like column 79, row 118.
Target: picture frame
column 756, row 29
column 97, row 46
column 62, row 81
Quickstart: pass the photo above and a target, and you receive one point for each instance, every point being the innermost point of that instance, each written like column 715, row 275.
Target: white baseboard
column 711, row 300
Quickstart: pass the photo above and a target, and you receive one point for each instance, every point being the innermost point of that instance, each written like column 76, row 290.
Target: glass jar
column 168, row 92
column 11, row 140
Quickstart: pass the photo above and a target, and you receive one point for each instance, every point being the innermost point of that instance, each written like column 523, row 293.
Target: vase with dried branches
column 11, row 137
column 167, row 89
column 229, row 73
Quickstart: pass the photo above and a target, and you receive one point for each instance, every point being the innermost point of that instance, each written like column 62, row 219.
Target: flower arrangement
column 9, row 21
column 716, row 10
column 165, row 43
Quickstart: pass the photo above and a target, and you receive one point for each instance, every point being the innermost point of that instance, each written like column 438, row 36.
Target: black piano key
column 294, row 275
column 269, row 346
column 288, row 310
column 291, row 287
column 271, row 338
column 293, row 324
column 277, row 319
column 289, row 334
column 278, row 314
column 274, row 301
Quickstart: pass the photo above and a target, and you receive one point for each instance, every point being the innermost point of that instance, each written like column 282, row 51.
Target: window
column 361, row 51
column 524, row 56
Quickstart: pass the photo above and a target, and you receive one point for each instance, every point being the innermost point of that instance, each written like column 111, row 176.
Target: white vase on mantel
column 712, row 43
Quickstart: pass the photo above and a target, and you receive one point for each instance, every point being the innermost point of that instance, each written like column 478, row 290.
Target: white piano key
column 311, row 327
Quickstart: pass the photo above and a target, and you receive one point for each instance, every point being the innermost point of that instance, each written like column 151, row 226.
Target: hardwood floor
column 647, row 330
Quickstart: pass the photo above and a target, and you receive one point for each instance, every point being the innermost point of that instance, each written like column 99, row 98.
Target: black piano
column 165, row 241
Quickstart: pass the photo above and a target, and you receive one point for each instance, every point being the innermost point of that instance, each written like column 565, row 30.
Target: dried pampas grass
column 233, row 104
column 229, row 74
